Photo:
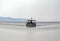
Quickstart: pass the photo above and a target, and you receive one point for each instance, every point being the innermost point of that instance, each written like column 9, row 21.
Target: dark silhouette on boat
column 31, row 23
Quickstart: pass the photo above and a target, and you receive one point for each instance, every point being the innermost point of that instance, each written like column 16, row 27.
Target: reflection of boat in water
column 31, row 23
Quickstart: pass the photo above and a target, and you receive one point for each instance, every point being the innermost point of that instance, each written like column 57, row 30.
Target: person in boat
column 31, row 23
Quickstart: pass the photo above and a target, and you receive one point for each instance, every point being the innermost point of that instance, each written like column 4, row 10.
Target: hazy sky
column 44, row 10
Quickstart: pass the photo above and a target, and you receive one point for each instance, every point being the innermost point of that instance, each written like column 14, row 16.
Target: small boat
column 31, row 23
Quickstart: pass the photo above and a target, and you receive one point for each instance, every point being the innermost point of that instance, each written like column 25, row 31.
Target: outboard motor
column 31, row 23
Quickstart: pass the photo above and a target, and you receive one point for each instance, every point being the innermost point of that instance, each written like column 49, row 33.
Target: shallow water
column 40, row 33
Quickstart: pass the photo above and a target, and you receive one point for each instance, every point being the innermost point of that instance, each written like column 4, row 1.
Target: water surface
column 39, row 33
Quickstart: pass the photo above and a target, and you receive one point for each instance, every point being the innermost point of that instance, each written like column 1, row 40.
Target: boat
column 31, row 23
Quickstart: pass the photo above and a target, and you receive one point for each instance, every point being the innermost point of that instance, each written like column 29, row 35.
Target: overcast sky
column 43, row 10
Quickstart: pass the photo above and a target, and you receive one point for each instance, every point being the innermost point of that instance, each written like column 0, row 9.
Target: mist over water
column 19, row 33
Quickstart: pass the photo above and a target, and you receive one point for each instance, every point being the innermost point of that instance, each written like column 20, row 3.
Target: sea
column 23, row 33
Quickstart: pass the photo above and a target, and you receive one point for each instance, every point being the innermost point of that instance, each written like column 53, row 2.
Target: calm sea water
column 39, row 33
